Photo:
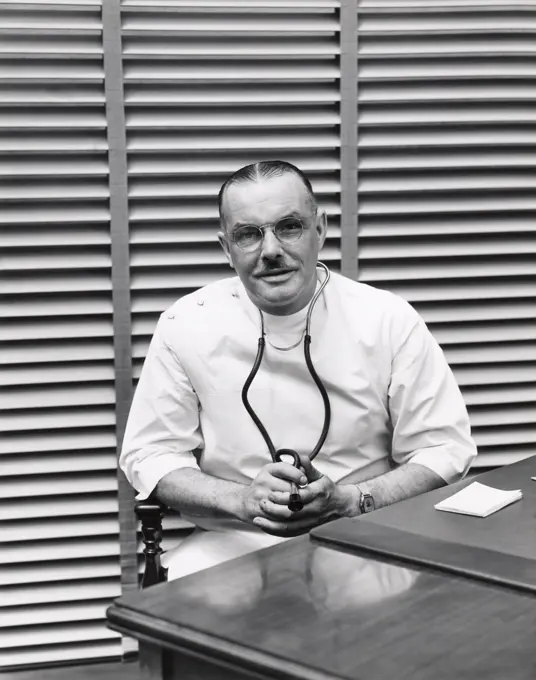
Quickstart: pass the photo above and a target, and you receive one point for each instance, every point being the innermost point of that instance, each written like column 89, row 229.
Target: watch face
column 367, row 503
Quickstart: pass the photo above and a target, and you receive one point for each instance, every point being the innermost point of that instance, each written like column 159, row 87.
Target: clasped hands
column 266, row 499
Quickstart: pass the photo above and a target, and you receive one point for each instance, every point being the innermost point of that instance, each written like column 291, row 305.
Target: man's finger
column 276, row 485
column 288, row 473
column 314, row 490
column 274, row 510
column 308, row 493
column 311, row 472
column 280, row 497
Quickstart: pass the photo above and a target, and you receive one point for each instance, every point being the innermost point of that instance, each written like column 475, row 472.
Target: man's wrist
column 348, row 500
column 238, row 503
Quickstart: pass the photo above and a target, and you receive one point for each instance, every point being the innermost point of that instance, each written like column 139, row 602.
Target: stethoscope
column 295, row 502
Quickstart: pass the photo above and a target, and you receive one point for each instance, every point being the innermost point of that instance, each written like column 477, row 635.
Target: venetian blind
column 59, row 564
column 446, row 157
column 210, row 87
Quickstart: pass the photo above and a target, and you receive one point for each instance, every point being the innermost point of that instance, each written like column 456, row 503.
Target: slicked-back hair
column 262, row 170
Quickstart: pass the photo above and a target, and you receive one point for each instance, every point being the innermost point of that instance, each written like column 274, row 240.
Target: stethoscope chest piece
column 295, row 502
column 282, row 454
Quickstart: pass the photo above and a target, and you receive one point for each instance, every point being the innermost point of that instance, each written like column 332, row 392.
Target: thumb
column 311, row 472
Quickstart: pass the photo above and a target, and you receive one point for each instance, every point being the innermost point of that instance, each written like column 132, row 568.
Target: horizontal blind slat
column 62, row 653
column 59, row 528
column 445, row 155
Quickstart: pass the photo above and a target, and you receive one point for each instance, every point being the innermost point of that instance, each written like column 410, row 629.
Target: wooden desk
column 500, row 548
column 308, row 612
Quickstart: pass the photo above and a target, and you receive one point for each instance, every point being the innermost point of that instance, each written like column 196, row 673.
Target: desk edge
column 195, row 643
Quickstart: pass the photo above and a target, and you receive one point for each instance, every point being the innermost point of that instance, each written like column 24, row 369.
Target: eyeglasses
column 286, row 230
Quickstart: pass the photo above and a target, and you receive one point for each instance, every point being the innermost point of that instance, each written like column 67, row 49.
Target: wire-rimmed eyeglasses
column 249, row 237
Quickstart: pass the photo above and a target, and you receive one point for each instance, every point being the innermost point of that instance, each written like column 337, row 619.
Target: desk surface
column 417, row 515
column 499, row 548
column 305, row 611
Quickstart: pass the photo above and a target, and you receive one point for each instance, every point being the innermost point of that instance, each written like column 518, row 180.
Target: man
column 398, row 427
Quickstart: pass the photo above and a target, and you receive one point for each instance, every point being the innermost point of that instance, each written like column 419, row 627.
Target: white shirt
column 393, row 398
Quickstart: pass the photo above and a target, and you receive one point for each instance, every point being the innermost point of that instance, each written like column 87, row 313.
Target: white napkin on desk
column 478, row 500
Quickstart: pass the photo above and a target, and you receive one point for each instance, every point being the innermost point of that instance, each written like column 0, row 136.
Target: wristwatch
column 366, row 502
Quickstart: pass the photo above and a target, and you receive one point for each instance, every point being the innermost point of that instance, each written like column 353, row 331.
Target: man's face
column 280, row 278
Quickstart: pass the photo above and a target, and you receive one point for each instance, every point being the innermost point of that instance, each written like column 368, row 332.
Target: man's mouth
column 276, row 275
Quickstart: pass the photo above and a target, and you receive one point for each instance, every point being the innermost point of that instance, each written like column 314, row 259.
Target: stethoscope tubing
column 278, row 456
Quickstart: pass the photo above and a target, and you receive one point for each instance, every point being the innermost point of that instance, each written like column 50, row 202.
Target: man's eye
column 289, row 226
column 246, row 235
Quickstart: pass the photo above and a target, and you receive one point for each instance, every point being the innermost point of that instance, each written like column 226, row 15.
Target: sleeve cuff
column 448, row 464
column 149, row 472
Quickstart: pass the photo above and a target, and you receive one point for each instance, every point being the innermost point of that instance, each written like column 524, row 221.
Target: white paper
column 478, row 500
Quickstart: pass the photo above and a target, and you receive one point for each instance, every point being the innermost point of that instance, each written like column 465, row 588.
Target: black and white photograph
column 268, row 339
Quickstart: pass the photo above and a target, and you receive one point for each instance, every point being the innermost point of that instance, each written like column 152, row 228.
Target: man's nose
column 271, row 247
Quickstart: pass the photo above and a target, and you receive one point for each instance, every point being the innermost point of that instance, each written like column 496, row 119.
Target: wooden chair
column 150, row 513
column 152, row 660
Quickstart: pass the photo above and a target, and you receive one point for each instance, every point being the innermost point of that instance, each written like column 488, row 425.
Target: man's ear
column 321, row 228
column 222, row 238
